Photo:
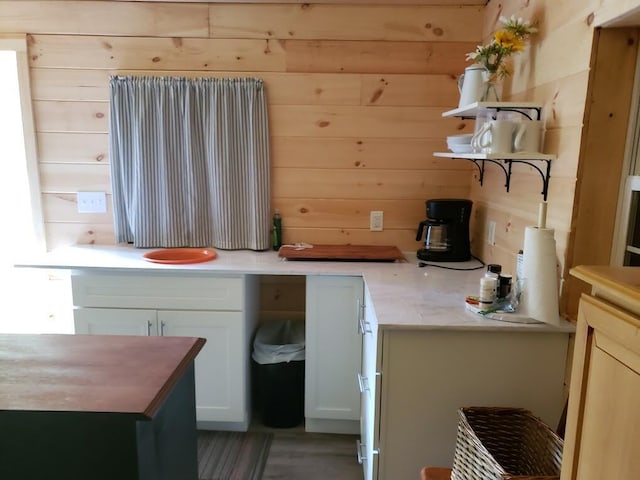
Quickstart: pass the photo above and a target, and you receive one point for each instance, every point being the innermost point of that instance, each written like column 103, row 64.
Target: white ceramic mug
column 528, row 137
column 495, row 136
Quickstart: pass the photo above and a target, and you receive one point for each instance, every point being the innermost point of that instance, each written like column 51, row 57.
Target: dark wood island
column 80, row 407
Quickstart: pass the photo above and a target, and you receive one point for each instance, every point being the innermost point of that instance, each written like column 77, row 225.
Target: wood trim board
column 376, row 253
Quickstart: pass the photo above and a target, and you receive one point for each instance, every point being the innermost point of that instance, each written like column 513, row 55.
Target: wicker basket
column 505, row 443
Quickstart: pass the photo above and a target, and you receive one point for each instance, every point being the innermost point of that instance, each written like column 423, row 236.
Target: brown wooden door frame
column 602, row 155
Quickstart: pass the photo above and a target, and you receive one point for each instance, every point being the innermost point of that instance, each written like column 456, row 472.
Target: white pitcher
column 472, row 84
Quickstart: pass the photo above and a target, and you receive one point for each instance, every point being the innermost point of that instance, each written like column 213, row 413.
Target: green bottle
column 277, row 231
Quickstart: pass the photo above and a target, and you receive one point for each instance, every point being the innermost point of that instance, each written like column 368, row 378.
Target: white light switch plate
column 491, row 233
column 92, row 202
column 375, row 221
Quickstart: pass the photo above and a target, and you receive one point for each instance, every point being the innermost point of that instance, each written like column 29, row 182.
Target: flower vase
column 490, row 92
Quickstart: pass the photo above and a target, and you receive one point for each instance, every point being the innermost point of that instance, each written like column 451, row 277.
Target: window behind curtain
column 190, row 162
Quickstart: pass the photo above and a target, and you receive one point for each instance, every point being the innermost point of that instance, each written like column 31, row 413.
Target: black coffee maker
column 447, row 231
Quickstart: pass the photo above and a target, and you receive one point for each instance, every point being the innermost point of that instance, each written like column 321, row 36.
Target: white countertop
column 404, row 295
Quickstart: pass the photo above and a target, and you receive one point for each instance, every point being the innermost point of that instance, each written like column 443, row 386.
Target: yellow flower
column 508, row 40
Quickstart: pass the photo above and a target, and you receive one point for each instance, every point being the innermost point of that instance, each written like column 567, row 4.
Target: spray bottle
column 277, row 230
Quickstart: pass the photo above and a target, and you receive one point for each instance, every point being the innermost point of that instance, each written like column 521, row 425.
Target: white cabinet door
column 220, row 367
column 111, row 321
column 333, row 347
column 367, row 450
column 427, row 375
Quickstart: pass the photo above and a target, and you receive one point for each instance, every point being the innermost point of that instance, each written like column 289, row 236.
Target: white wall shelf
column 471, row 111
column 505, row 162
column 532, row 111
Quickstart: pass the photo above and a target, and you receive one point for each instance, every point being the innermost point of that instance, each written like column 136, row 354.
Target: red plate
column 180, row 255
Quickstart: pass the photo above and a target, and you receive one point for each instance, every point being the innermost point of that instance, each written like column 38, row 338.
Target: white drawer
column 158, row 292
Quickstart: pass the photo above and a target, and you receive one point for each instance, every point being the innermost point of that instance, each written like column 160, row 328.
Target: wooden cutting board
column 348, row 253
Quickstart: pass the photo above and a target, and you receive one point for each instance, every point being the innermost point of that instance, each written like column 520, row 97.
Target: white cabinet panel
column 109, row 321
column 369, row 386
column 221, row 382
column 333, row 347
column 427, row 375
column 220, row 309
column 158, row 291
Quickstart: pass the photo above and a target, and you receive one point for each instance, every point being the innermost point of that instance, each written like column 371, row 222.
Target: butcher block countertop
column 619, row 285
column 89, row 373
column 404, row 295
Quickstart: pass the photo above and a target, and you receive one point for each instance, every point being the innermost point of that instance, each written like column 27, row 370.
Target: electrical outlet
column 92, row 202
column 491, row 233
column 375, row 221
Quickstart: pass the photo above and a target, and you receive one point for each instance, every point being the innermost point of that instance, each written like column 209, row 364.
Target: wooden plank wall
column 554, row 71
column 355, row 98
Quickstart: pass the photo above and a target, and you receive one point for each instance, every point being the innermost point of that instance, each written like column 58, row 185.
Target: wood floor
column 296, row 455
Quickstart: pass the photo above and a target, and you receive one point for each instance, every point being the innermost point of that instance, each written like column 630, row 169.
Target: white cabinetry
column 423, row 376
column 369, row 385
column 123, row 321
column 427, row 375
column 220, row 309
column 333, row 354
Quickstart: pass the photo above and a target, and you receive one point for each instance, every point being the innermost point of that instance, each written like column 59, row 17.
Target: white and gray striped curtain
column 190, row 162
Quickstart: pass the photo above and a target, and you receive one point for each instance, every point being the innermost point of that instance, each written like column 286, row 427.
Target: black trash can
column 278, row 353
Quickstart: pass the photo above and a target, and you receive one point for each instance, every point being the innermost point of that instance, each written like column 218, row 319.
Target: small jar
column 487, row 294
column 493, row 271
column 504, row 285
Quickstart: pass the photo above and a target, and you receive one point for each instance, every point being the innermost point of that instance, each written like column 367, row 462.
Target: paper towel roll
column 539, row 298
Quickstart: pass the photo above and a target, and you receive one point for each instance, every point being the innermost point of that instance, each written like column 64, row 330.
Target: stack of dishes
column 460, row 143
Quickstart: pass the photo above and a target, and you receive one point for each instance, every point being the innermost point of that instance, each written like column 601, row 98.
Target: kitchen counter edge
column 404, row 296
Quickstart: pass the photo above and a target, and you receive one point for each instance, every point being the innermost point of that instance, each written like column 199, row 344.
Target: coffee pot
column 472, row 84
column 445, row 231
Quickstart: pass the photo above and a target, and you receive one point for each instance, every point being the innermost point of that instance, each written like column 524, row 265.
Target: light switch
column 491, row 233
column 375, row 221
column 92, row 202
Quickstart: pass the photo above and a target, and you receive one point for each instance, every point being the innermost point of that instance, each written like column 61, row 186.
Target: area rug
column 232, row 455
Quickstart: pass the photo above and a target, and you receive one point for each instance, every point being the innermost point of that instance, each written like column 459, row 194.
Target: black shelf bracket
column 520, row 110
column 538, row 111
column 480, row 163
column 545, row 173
